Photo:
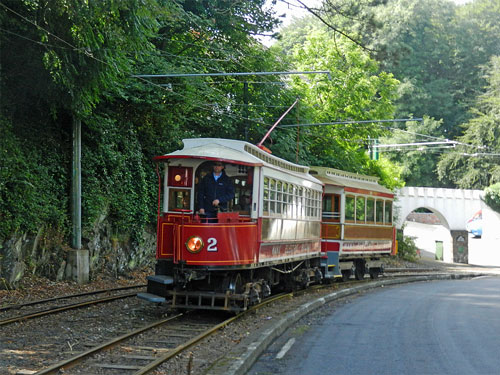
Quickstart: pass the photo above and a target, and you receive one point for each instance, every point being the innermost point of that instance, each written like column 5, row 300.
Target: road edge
column 244, row 355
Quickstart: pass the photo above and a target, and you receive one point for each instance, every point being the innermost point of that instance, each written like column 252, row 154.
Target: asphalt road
column 441, row 327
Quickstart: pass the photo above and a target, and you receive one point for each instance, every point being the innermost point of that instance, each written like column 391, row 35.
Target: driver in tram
column 215, row 191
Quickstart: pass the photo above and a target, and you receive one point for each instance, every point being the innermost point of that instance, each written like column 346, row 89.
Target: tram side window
column 379, row 211
column 300, row 200
column 370, row 210
column 272, row 196
column 388, row 212
column 360, row 209
column 327, row 207
column 349, row 208
column 336, row 207
column 279, row 197
column 288, row 200
column 318, row 203
column 286, row 204
column 266, row 196
column 331, row 207
column 243, row 194
column 308, row 202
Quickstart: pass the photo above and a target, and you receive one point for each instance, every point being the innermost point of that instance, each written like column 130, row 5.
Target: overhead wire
column 81, row 50
column 201, row 105
column 32, row 40
column 88, row 53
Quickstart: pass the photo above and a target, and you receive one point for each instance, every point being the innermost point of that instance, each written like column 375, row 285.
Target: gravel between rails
column 36, row 344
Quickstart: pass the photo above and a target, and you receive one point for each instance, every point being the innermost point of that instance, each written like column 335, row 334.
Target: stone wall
column 45, row 253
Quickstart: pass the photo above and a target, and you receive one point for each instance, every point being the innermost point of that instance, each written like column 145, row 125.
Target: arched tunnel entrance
column 433, row 237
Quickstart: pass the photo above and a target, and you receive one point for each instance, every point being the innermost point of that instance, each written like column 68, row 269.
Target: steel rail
column 394, row 270
column 179, row 349
column 40, row 301
column 64, row 308
column 73, row 361
column 68, row 363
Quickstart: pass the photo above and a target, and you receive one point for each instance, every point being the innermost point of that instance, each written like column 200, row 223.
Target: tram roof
column 337, row 177
column 231, row 151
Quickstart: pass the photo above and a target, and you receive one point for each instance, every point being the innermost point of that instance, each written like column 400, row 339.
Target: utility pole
column 76, row 185
column 77, row 262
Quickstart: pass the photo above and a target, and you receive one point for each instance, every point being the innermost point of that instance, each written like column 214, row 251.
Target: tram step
column 151, row 297
column 161, row 279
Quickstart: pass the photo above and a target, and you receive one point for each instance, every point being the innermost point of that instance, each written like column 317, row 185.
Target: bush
column 407, row 249
column 492, row 196
column 32, row 182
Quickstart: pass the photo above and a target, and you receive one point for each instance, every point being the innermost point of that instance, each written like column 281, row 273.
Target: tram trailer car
column 358, row 233
column 232, row 263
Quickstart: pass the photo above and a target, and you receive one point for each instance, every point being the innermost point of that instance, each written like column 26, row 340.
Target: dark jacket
column 209, row 190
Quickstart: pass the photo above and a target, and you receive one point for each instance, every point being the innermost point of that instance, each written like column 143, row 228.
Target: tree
column 62, row 58
column 350, row 19
column 418, row 163
column 417, row 45
column 435, row 48
column 475, row 164
column 356, row 90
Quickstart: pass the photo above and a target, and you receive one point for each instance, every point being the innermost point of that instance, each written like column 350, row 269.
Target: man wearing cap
column 215, row 190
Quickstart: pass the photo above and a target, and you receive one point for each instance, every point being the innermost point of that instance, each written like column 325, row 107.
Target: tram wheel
column 346, row 275
column 374, row 273
column 359, row 272
column 236, row 284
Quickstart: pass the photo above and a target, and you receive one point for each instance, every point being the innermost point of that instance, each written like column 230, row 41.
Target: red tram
column 273, row 242
column 357, row 227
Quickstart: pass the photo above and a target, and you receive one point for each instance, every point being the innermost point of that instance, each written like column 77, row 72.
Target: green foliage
column 65, row 59
column 435, row 48
column 350, row 18
column 119, row 181
column 407, row 249
column 78, row 62
column 32, row 183
column 84, row 46
column 475, row 164
column 356, row 90
column 390, row 173
column 417, row 163
column 492, row 196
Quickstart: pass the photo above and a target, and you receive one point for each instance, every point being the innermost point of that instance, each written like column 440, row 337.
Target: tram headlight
column 194, row 244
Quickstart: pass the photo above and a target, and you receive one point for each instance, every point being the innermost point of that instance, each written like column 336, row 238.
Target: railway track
column 142, row 350
column 410, row 270
column 85, row 337
column 4, row 320
column 9, row 314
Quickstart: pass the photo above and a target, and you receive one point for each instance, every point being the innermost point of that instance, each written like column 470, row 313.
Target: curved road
column 441, row 327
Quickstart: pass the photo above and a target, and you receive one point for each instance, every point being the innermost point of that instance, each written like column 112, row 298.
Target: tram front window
column 179, row 199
